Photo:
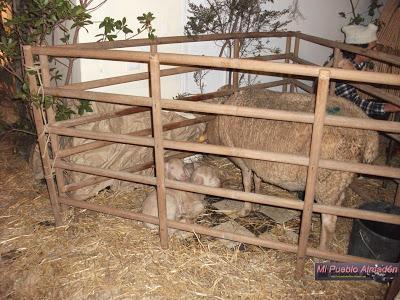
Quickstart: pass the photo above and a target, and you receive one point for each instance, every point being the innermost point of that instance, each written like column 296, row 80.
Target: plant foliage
column 35, row 22
column 357, row 18
column 230, row 16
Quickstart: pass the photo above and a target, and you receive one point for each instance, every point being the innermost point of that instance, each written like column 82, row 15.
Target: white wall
column 320, row 19
column 168, row 21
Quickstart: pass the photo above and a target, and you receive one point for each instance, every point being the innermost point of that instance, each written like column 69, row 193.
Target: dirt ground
column 95, row 256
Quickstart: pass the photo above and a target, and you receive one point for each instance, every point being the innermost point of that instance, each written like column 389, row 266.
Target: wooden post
column 397, row 196
column 153, row 48
column 295, row 54
column 235, row 77
column 40, row 129
column 51, row 118
column 287, row 52
column 336, row 54
column 316, row 140
column 158, row 147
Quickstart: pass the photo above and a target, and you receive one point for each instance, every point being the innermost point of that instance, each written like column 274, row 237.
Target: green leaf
column 111, row 37
column 84, row 106
column 126, row 30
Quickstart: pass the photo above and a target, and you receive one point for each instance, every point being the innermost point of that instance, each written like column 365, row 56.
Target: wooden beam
column 287, row 52
column 295, row 54
column 235, row 77
column 233, row 194
column 388, row 126
column 215, row 233
column 136, row 168
column 158, row 148
column 177, row 40
column 378, row 93
column 51, row 117
column 378, row 55
column 221, row 63
column 316, row 141
column 42, row 139
column 336, row 55
column 126, row 78
column 144, row 132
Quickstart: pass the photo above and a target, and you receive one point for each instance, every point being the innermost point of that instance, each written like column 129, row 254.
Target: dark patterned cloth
column 371, row 107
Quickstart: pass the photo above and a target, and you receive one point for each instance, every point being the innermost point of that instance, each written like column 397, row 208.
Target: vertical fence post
column 397, row 196
column 153, row 48
column 336, row 54
column 287, row 52
column 316, row 140
column 39, row 119
column 295, row 54
column 158, row 147
column 235, row 76
column 55, row 141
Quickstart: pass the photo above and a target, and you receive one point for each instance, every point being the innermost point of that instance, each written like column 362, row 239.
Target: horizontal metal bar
column 302, row 85
column 387, row 126
column 219, row 62
column 353, row 167
column 102, row 136
column 177, row 39
column 378, row 55
column 145, row 75
column 126, row 78
column 369, row 89
column 232, row 194
column 105, row 172
column 143, row 132
column 99, row 117
column 213, row 232
column 301, row 61
column 228, row 151
column 284, row 202
column 378, row 93
column 135, row 168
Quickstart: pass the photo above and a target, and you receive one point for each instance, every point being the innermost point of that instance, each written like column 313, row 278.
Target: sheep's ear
column 198, row 180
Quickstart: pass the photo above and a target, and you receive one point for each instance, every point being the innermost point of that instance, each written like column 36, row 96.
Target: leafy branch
column 230, row 16
column 112, row 28
column 357, row 18
column 36, row 22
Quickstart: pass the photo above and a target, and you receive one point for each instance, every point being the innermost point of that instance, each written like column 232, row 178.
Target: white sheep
column 294, row 138
column 183, row 206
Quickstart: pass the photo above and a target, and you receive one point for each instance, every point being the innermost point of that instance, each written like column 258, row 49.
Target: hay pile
column 96, row 256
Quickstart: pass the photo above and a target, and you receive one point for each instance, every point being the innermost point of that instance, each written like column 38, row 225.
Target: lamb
column 183, row 206
column 175, row 169
column 205, row 175
column 294, row 138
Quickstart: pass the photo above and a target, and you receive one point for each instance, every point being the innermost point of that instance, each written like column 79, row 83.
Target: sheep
column 183, row 206
column 205, row 175
column 294, row 138
column 175, row 169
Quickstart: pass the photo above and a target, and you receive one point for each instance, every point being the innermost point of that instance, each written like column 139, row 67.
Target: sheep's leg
column 257, row 183
column 327, row 231
column 328, row 227
column 247, row 178
column 248, row 206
